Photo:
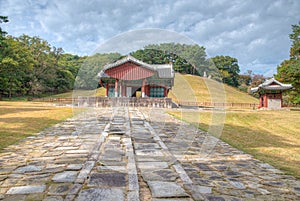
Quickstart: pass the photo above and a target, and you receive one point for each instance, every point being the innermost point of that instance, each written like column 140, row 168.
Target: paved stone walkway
column 115, row 154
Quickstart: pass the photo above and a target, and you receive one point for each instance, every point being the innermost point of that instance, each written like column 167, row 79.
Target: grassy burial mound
column 199, row 89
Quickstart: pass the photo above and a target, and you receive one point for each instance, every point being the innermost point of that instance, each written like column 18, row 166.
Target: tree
column 3, row 19
column 244, row 82
column 228, row 68
column 189, row 59
column 15, row 67
column 87, row 74
column 156, row 56
column 31, row 66
column 289, row 70
column 295, row 38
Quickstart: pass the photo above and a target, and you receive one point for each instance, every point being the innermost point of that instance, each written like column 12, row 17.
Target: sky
column 253, row 31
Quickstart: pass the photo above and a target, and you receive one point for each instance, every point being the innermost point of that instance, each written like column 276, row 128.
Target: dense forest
column 289, row 70
column 30, row 66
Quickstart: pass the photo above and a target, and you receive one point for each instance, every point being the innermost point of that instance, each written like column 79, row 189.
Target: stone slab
column 66, row 176
column 53, row 198
column 108, row 179
column 149, row 152
column 101, row 194
column 183, row 199
column 112, row 168
column 152, row 165
column 29, row 168
column 161, row 189
column 74, row 167
column 26, row 189
column 159, row 175
column 59, row 189
column 146, row 146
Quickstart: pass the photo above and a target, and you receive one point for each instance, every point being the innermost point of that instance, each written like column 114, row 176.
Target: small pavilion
column 270, row 93
column 127, row 76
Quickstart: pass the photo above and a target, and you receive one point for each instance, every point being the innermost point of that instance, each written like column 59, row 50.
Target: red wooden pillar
column 116, row 87
column 260, row 102
column 148, row 91
column 165, row 92
column 266, row 101
column 107, row 89
column 143, row 88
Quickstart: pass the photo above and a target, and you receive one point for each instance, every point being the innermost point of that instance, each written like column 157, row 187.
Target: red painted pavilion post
column 260, row 102
column 107, row 89
column 266, row 101
column 165, row 92
column 143, row 88
column 116, row 87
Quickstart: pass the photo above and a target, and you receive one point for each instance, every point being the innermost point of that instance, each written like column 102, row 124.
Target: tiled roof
column 271, row 84
column 163, row 70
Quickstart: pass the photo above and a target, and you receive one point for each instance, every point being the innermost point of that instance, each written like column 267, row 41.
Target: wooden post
column 260, row 102
column 107, row 89
column 165, row 92
column 265, row 101
column 116, row 87
column 143, row 88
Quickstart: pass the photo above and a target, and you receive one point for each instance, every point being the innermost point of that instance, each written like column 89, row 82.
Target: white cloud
column 245, row 29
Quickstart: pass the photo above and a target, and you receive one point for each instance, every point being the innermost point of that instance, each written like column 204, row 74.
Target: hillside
column 194, row 88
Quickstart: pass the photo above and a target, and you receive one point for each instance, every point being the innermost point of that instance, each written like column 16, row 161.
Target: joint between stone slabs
column 182, row 174
column 133, row 195
column 85, row 171
column 73, row 192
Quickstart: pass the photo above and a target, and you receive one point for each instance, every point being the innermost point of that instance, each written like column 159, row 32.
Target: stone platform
column 135, row 154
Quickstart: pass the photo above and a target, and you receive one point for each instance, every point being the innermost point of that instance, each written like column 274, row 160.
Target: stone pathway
column 135, row 154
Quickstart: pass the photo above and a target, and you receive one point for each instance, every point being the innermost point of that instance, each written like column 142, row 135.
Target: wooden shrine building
column 270, row 93
column 127, row 76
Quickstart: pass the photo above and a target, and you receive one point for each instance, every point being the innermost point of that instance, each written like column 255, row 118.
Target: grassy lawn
column 98, row 92
column 19, row 120
column 271, row 136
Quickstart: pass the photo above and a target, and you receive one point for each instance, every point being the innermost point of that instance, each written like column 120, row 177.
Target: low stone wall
column 125, row 102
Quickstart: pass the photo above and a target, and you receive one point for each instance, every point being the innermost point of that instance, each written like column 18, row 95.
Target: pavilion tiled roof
column 163, row 70
column 271, row 84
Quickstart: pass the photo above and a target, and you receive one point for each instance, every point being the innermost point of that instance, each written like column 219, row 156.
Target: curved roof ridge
column 126, row 59
column 163, row 70
column 267, row 85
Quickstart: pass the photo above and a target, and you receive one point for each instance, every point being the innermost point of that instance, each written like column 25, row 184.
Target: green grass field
column 19, row 120
column 271, row 136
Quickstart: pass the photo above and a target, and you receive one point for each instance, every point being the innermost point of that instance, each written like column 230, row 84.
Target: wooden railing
column 145, row 102
column 215, row 104
column 107, row 102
